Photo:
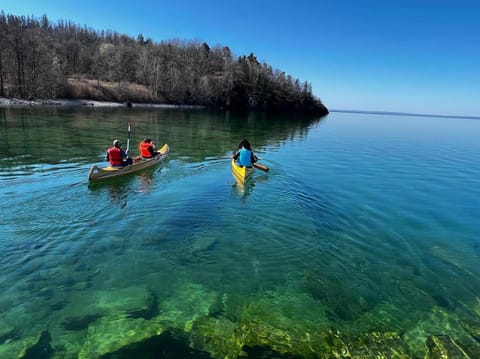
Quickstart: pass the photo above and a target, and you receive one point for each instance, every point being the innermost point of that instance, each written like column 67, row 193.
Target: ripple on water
column 365, row 231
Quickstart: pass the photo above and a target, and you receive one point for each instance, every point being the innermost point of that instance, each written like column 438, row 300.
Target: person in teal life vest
column 245, row 156
column 117, row 156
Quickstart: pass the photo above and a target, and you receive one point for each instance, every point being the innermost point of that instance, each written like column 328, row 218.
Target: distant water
column 407, row 114
column 362, row 239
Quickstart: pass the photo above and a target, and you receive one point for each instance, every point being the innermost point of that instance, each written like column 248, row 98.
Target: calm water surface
column 364, row 234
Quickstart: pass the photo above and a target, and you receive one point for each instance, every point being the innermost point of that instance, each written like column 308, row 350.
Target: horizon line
column 372, row 112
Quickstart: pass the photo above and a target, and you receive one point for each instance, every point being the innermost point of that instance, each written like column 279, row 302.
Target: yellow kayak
column 241, row 173
column 99, row 174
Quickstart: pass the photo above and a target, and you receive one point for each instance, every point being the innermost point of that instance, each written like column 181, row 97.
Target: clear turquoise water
column 364, row 224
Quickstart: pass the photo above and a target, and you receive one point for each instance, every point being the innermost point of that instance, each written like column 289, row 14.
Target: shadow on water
column 167, row 345
column 174, row 344
column 42, row 349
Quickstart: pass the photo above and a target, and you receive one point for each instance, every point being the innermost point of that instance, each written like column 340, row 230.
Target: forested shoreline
column 44, row 60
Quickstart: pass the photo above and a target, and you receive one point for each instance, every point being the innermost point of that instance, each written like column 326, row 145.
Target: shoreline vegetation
column 63, row 61
column 88, row 93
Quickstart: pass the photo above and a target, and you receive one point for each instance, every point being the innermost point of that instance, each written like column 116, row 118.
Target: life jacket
column 143, row 147
column 115, row 156
column 245, row 158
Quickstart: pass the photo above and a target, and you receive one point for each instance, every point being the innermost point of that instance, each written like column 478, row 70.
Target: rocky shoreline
column 6, row 102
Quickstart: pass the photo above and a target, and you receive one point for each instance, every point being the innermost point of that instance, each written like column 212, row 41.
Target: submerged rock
column 188, row 302
column 202, row 244
column 472, row 328
column 170, row 345
column 6, row 332
column 380, row 345
column 132, row 301
column 224, row 339
column 444, row 347
column 282, row 342
column 30, row 347
column 41, row 349
column 275, row 323
column 111, row 334
column 341, row 301
column 118, row 333
column 217, row 336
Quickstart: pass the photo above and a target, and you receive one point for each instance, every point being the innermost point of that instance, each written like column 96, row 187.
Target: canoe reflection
column 244, row 190
column 119, row 189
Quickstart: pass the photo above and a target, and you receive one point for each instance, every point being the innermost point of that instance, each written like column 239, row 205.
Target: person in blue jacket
column 245, row 156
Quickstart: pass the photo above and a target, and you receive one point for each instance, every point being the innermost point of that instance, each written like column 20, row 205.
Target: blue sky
column 418, row 56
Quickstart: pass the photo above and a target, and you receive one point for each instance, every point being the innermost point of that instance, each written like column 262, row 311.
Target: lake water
column 361, row 241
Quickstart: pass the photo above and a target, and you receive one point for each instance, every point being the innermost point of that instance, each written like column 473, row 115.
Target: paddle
column 260, row 167
column 128, row 139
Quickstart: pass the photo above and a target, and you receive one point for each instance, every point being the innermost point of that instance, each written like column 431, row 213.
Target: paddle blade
column 260, row 167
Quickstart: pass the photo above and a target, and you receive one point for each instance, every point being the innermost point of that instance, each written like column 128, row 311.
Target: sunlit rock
column 380, row 345
column 444, row 347
column 439, row 323
column 282, row 322
column 188, row 302
column 472, row 328
column 29, row 346
column 260, row 334
column 217, row 336
column 179, row 312
column 110, row 334
column 67, row 343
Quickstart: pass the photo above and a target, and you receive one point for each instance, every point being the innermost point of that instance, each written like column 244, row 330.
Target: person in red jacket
column 147, row 148
column 117, row 156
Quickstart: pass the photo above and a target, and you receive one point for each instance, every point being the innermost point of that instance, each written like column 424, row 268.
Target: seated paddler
column 244, row 155
column 116, row 156
column 147, row 148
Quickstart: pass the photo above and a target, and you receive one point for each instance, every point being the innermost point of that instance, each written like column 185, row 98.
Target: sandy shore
column 89, row 103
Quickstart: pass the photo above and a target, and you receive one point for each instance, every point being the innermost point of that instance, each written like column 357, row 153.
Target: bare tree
column 38, row 57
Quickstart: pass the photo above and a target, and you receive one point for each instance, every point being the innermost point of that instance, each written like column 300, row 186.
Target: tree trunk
column 2, row 91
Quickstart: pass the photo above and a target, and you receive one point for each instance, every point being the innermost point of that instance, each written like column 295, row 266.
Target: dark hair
column 244, row 143
column 147, row 140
